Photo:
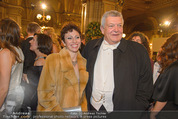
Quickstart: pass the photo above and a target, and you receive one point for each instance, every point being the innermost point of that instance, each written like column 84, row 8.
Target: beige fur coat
column 58, row 87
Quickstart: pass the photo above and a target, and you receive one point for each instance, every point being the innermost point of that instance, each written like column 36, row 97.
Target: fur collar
column 65, row 57
column 67, row 67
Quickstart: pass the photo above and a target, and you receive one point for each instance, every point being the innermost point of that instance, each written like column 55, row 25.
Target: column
column 14, row 12
column 83, row 16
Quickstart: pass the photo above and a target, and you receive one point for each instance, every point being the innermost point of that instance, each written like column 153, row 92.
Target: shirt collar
column 106, row 45
column 122, row 46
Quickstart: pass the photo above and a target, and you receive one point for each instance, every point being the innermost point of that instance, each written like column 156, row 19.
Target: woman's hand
column 153, row 115
column 156, row 109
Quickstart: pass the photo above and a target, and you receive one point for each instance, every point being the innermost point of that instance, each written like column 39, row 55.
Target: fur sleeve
column 47, row 86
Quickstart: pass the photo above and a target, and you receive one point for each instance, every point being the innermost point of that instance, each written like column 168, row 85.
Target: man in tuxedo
column 29, row 55
column 29, row 60
column 120, row 75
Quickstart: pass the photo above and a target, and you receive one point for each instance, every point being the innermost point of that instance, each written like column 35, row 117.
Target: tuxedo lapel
column 92, row 59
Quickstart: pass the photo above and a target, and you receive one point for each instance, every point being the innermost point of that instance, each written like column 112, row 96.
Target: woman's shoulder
column 5, row 52
column 171, row 70
column 6, row 56
column 173, row 66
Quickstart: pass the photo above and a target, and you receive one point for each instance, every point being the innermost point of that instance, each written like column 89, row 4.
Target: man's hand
column 24, row 77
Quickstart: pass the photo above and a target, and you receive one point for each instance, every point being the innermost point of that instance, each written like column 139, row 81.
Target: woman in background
column 11, row 67
column 166, row 86
column 51, row 32
column 41, row 44
column 64, row 76
column 141, row 38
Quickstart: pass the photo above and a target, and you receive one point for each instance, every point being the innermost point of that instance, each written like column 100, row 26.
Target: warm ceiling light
column 39, row 16
column 43, row 27
column 43, row 6
column 48, row 17
column 123, row 35
column 167, row 23
column 43, row 18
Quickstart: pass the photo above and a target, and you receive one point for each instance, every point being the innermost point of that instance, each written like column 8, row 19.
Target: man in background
column 29, row 55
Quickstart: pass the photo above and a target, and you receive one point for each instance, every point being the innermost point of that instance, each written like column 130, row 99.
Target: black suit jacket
column 133, row 82
column 28, row 54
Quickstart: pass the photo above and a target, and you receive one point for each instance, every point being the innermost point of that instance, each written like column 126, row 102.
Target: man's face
column 10, row 106
column 113, row 29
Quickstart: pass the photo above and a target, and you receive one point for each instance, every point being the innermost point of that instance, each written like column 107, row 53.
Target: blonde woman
column 51, row 32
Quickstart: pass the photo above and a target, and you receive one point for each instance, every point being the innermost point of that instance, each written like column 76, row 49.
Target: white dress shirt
column 156, row 69
column 103, row 82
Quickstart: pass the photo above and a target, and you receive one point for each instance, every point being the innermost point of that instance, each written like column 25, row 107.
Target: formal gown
column 15, row 95
column 166, row 90
column 166, row 87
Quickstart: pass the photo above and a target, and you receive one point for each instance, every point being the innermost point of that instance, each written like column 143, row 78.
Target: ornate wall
column 137, row 13
column 25, row 11
column 11, row 9
column 61, row 11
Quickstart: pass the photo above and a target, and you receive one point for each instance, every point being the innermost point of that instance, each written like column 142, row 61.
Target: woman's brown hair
column 10, row 36
column 69, row 27
column 144, row 40
column 169, row 52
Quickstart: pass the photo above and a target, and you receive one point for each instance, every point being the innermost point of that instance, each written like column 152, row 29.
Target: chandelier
column 43, row 18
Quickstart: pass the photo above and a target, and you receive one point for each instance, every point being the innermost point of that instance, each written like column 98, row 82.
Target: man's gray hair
column 111, row 13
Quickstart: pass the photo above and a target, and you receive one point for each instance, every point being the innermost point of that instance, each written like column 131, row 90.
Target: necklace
column 74, row 62
column 40, row 57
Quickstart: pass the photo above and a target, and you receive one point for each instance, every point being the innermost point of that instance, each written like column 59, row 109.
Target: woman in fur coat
column 64, row 76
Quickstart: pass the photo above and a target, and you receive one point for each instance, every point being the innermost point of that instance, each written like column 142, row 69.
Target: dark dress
column 166, row 87
column 31, row 98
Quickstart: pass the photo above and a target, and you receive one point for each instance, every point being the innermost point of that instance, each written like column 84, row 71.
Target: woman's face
column 137, row 39
column 34, row 43
column 72, row 41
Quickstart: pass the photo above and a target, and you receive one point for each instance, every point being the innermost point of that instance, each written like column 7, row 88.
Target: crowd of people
column 108, row 74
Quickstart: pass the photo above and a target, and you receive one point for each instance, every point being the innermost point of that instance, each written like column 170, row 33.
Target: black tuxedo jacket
column 133, row 82
column 28, row 54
